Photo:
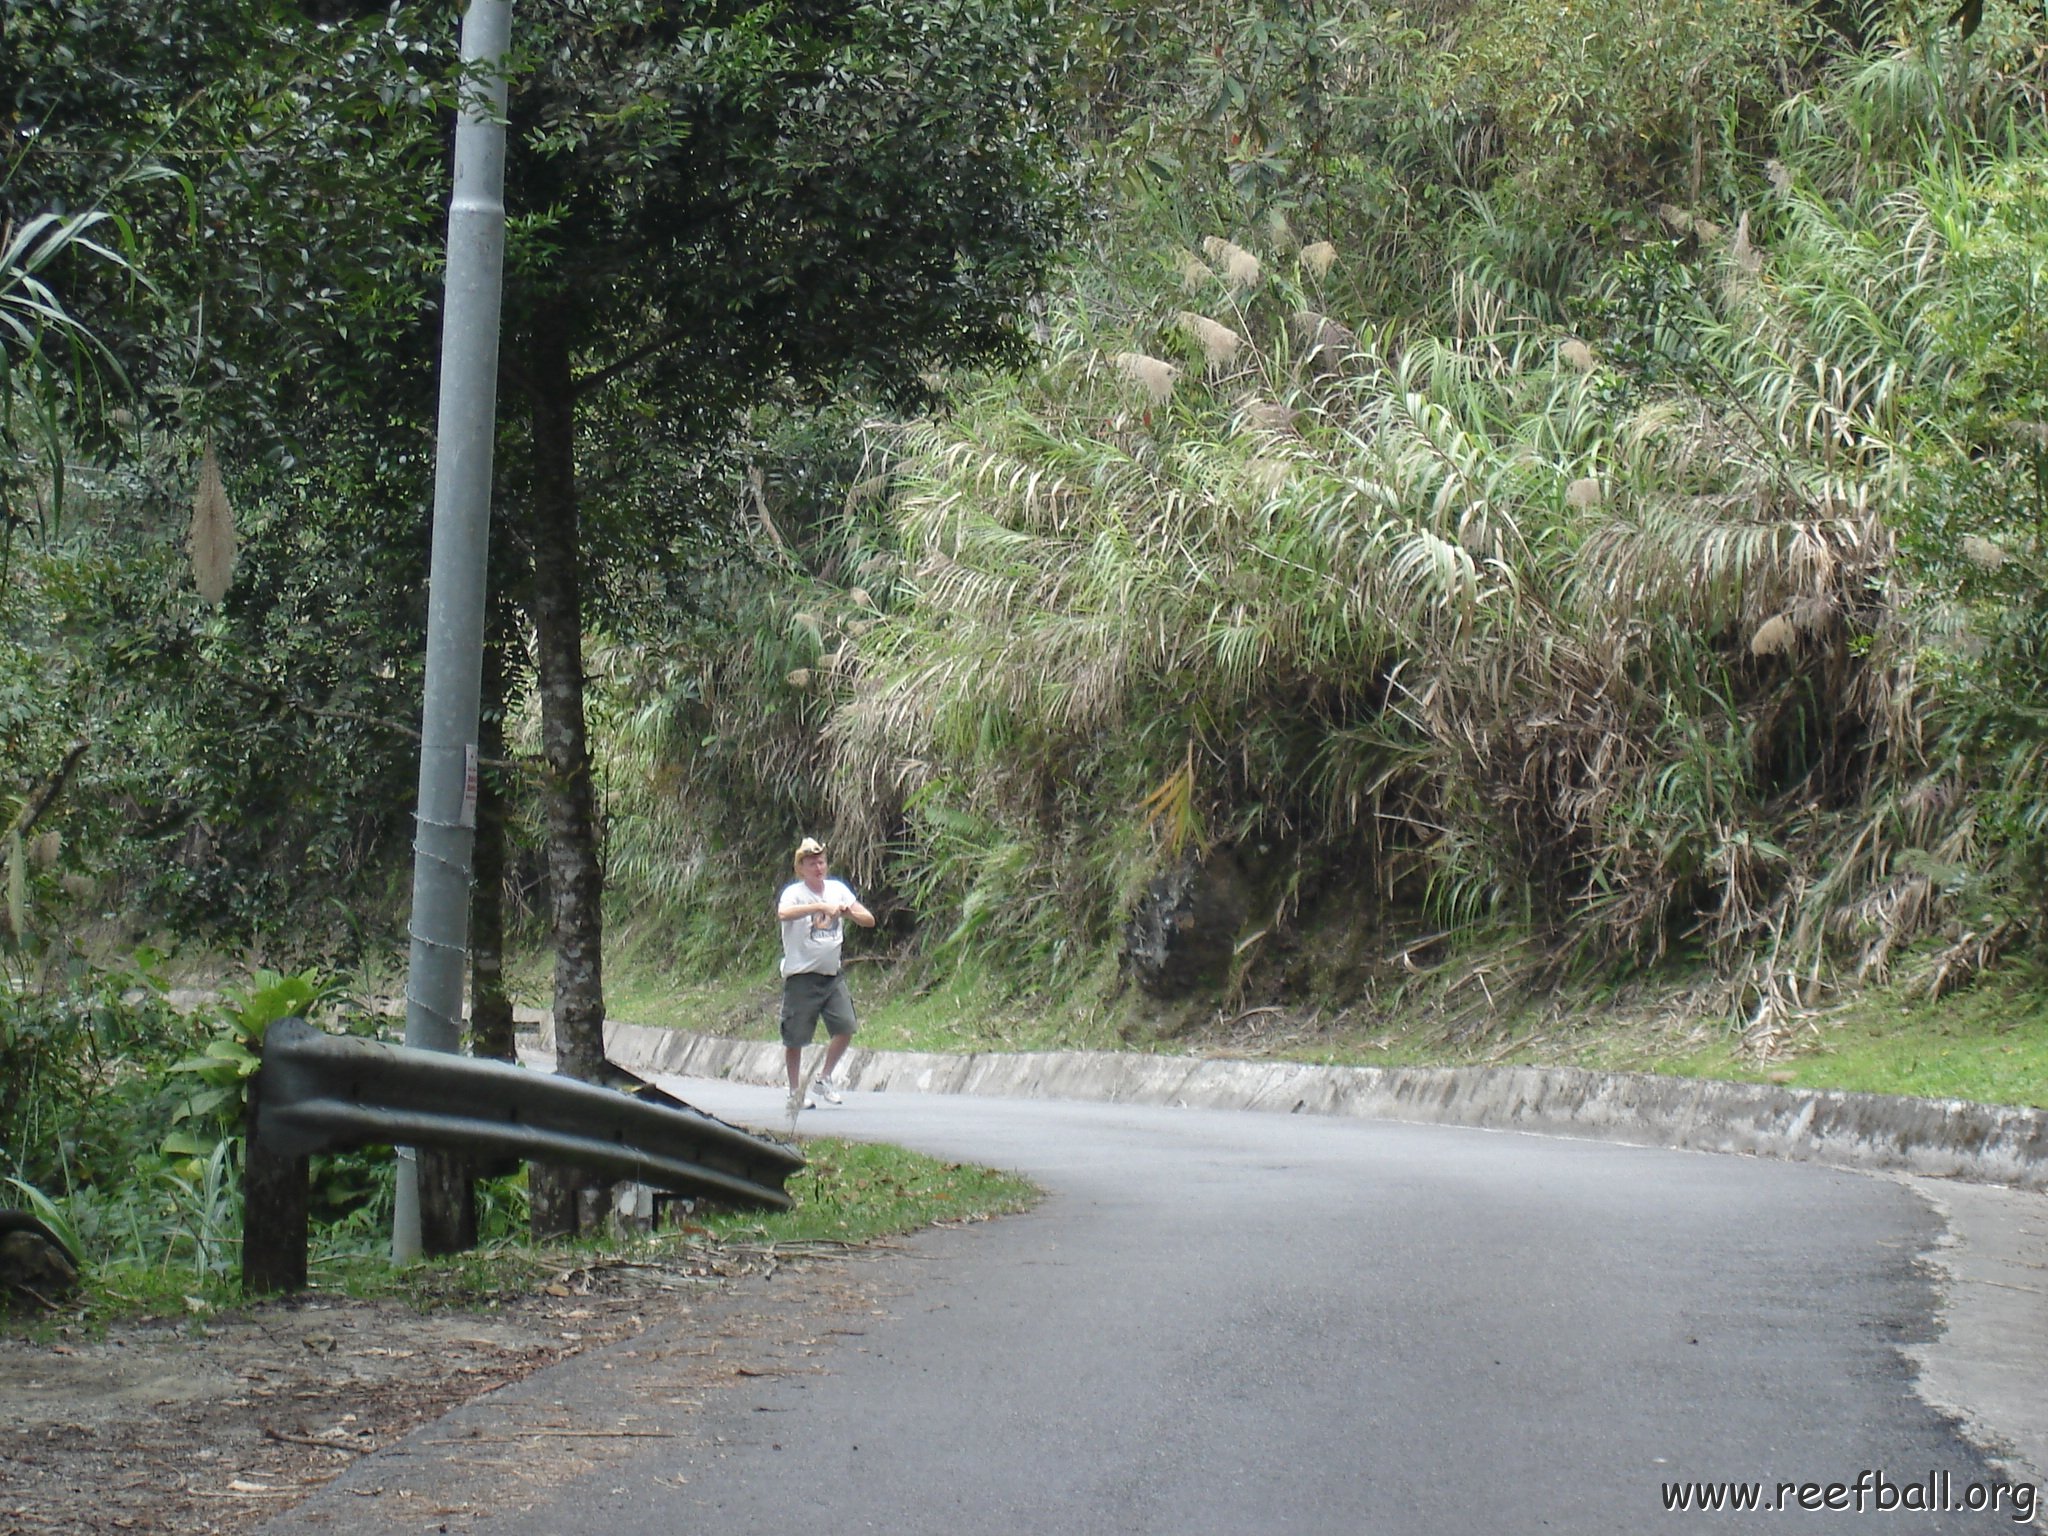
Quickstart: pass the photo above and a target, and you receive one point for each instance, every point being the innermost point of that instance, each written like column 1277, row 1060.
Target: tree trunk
column 490, row 1005
column 575, row 879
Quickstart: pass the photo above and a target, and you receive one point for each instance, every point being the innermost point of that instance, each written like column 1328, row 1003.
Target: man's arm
column 788, row 910
column 851, row 907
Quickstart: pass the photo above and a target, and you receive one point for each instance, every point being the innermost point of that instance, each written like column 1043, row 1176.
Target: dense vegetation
column 1557, row 482
column 1558, row 488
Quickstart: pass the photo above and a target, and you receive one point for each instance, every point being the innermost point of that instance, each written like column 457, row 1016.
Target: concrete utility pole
column 445, row 830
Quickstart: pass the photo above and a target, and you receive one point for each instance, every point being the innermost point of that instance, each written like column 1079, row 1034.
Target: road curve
column 1231, row 1322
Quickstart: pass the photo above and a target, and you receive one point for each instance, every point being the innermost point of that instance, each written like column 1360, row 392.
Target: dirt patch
column 216, row 1424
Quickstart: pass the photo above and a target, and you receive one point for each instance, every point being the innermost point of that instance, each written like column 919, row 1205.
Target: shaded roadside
column 216, row 1423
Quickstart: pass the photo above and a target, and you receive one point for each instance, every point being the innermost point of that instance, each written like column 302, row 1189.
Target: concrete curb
column 1937, row 1138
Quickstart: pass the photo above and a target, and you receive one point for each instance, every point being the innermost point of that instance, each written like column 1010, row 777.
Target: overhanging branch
column 588, row 382
column 277, row 696
column 45, row 795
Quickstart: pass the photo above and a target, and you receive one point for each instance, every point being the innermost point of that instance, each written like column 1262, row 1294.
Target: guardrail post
column 275, row 1194
column 552, row 1201
column 447, row 1182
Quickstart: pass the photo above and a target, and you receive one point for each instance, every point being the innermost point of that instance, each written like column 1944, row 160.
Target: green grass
column 1987, row 1043
column 908, row 1005
column 847, row 1193
column 923, row 1007
column 739, row 1002
column 856, row 1192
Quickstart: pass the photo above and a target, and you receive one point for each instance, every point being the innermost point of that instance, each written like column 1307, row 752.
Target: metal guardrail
column 318, row 1092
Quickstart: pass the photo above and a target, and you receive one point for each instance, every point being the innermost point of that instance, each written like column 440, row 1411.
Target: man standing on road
column 812, row 911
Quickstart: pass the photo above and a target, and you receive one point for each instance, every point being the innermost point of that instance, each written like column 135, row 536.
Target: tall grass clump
column 1650, row 582
column 1502, row 626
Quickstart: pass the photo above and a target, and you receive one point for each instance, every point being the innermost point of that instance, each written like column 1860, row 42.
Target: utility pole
column 445, row 827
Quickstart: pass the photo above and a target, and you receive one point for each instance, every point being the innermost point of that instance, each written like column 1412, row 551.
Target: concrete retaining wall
column 1943, row 1138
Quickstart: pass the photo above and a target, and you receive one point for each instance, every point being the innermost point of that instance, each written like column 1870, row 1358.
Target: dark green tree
column 719, row 207
column 275, row 177
column 714, row 208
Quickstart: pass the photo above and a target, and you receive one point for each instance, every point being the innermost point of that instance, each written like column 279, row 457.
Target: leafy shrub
column 1595, row 105
column 76, row 1094
column 213, row 1108
column 91, row 1075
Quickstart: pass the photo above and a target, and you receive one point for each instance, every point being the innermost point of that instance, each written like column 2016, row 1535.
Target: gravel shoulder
column 216, row 1424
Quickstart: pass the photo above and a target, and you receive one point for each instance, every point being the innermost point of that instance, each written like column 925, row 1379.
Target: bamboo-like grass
column 1506, row 632
column 1632, row 661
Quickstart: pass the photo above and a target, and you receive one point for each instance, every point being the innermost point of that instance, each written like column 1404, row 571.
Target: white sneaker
column 824, row 1088
column 797, row 1101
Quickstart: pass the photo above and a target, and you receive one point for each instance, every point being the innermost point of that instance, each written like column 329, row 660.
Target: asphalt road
column 1241, row 1322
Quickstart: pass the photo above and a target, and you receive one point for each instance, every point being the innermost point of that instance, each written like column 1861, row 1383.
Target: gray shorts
column 807, row 997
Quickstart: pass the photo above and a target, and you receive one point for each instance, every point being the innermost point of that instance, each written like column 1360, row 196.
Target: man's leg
column 801, row 1004
column 837, row 1011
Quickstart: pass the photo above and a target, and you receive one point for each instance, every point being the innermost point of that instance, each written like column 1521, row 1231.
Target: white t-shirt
column 811, row 942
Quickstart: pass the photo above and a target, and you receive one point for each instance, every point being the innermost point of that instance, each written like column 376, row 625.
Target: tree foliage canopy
column 747, row 204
